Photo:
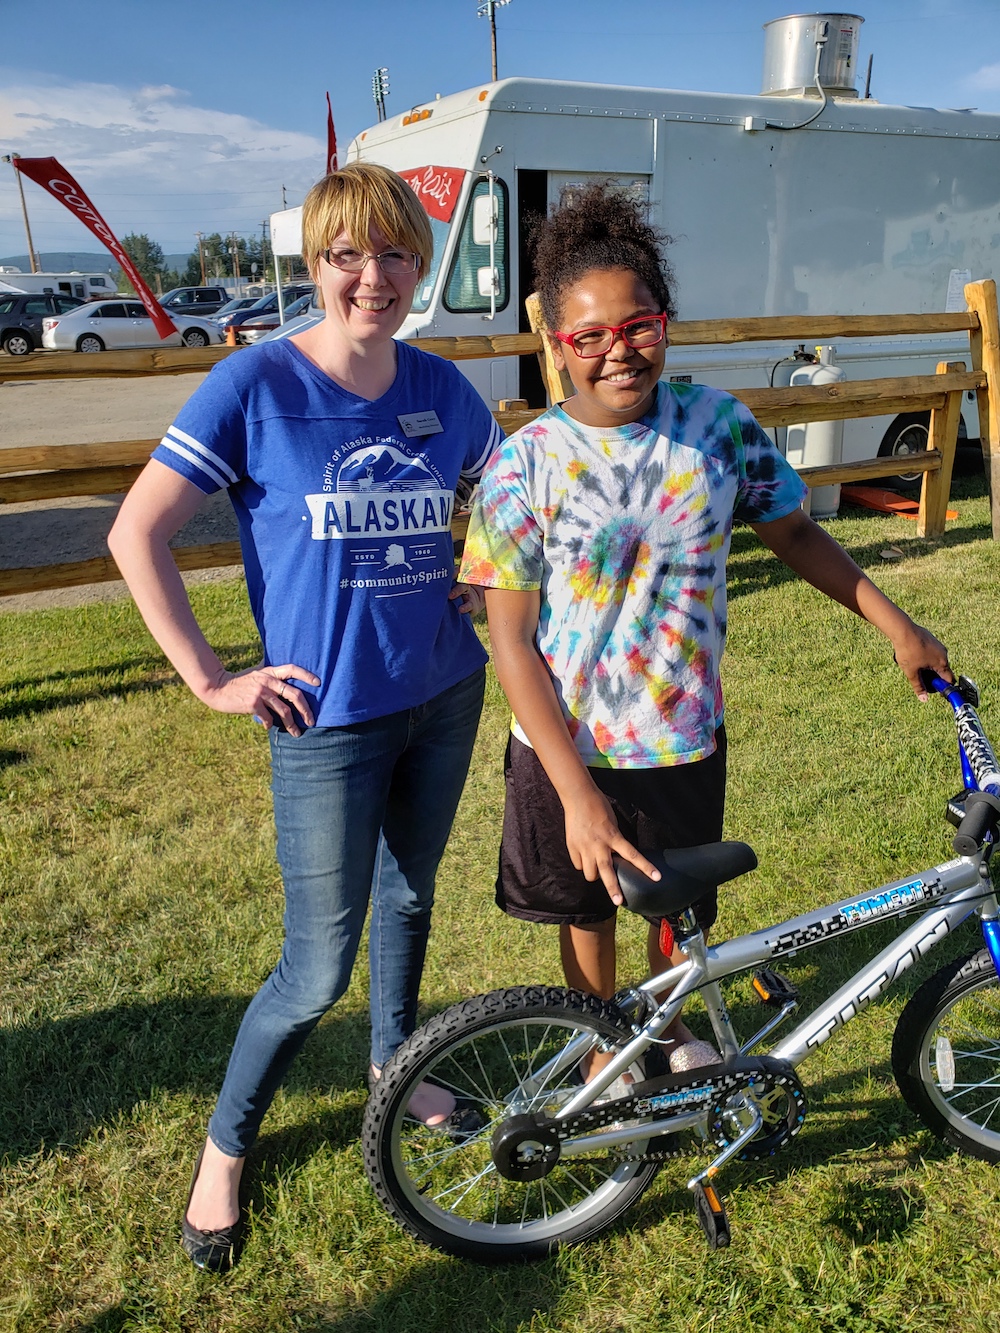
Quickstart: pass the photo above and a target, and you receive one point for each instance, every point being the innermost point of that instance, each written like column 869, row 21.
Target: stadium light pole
column 12, row 159
column 487, row 10
column 380, row 90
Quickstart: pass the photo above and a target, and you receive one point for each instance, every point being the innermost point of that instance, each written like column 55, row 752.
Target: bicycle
column 534, row 1157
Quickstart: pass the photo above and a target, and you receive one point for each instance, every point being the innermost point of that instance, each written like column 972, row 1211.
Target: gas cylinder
column 818, row 443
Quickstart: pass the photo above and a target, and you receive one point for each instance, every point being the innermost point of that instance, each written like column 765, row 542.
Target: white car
column 120, row 324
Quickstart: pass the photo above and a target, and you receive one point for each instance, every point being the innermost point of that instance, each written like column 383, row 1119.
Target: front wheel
column 946, row 1055
column 512, row 1052
column 195, row 338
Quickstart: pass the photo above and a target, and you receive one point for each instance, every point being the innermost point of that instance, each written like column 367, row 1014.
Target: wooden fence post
column 558, row 384
column 943, row 437
column 984, row 342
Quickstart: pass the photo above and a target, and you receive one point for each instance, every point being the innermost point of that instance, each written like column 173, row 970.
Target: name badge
column 420, row 423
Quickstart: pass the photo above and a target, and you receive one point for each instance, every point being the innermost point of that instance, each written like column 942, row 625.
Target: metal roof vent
column 811, row 54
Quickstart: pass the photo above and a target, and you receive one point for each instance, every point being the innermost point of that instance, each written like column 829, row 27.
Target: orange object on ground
column 886, row 502
column 231, row 336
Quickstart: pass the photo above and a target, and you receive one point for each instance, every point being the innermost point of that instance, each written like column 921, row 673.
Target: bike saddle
column 687, row 874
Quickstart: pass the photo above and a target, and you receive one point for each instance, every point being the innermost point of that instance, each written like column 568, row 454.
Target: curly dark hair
column 598, row 228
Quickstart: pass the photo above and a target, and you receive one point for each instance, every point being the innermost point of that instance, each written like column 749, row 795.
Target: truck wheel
column 89, row 342
column 195, row 338
column 17, row 343
column 907, row 435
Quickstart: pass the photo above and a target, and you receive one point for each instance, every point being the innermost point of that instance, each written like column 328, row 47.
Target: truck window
column 422, row 296
column 462, row 291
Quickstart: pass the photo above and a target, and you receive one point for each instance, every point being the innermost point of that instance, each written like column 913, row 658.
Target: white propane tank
column 818, row 443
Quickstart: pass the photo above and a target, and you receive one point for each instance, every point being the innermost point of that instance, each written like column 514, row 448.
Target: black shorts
column 656, row 808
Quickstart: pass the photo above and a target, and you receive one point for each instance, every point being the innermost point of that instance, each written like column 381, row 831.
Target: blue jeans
column 361, row 811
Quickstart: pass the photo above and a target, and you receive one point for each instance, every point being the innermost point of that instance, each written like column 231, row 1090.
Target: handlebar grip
column 982, row 815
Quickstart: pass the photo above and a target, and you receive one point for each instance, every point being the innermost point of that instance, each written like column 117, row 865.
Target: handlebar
column 980, row 770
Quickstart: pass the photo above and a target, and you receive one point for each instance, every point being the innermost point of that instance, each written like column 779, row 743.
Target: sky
column 193, row 116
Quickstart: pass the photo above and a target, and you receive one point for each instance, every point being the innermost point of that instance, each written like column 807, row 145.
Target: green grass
column 140, row 907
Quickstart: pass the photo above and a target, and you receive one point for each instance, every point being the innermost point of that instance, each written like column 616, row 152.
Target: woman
column 342, row 450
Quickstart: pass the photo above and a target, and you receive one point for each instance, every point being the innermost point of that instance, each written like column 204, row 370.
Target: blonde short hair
column 360, row 196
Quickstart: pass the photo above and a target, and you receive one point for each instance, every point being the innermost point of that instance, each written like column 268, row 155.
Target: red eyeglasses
column 644, row 331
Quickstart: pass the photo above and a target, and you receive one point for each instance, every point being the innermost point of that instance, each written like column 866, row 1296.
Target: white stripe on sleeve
column 199, row 463
column 207, row 454
column 476, row 471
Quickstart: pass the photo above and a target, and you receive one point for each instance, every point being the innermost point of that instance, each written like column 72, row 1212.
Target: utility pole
column 263, row 252
column 234, row 250
column 201, row 258
column 487, row 10
column 32, row 258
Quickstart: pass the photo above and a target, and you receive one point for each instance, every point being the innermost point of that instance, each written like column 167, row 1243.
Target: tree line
column 148, row 257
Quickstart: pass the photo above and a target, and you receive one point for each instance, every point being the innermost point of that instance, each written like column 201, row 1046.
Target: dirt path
column 89, row 412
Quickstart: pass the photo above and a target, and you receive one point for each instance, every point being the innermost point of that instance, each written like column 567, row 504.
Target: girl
column 601, row 533
column 341, row 449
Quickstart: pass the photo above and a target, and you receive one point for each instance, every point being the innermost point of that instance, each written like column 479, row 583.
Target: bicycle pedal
column 773, row 988
column 711, row 1215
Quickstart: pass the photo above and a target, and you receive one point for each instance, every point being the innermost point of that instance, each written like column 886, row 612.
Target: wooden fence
column 43, row 472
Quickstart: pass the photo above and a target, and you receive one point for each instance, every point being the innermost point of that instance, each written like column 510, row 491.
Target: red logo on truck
column 437, row 188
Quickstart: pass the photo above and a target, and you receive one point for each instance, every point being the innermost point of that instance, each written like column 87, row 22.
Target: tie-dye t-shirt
column 625, row 530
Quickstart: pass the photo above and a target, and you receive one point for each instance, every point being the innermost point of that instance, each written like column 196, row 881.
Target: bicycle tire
column 946, row 1055
column 444, row 1189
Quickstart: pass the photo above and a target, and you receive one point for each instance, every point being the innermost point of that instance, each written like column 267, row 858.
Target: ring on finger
column 281, row 690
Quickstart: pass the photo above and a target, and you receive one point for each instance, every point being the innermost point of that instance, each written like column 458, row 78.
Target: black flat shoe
column 211, row 1251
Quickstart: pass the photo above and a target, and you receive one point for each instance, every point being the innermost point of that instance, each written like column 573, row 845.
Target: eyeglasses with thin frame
column 392, row 262
column 643, row 331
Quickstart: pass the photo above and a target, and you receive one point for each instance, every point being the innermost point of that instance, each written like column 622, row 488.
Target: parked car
column 237, row 303
column 306, row 320
column 194, row 300
column 117, row 325
column 266, row 304
column 253, row 329
column 21, row 318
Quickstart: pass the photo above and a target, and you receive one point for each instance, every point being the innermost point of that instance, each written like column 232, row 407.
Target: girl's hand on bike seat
column 593, row 839
column 915, row 649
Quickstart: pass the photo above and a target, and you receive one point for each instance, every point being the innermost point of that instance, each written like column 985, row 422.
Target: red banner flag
column 46, row 172
column 331, row 138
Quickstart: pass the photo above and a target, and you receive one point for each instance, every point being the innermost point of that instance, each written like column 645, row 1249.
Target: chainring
column 782, row 1105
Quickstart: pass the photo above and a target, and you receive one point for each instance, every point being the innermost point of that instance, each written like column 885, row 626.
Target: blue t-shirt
column 344, row 517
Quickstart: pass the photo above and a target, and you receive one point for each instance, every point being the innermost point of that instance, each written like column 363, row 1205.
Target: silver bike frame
column 944, row 895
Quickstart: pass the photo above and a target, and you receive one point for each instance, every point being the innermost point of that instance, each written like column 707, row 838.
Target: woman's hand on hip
column 264, row 692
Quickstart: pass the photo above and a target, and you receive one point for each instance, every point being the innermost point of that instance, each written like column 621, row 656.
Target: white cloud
column 985, row 79
column 149, row 159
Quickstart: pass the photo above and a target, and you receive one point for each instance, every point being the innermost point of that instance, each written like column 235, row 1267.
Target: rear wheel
column 907, row 435
column 510, row 1053
column 946, row 1055
column 17, row 343
column 89, row 342
column 195, row 338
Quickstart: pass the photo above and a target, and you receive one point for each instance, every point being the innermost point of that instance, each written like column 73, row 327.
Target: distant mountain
column 82, row 261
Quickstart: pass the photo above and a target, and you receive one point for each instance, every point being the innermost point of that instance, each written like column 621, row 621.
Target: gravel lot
column 90, row 412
